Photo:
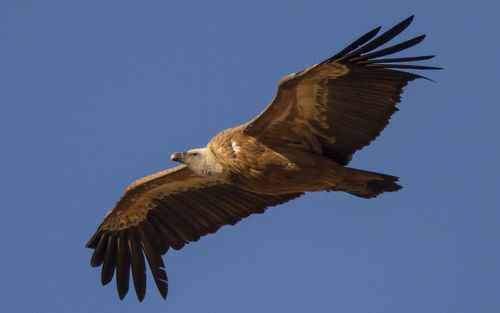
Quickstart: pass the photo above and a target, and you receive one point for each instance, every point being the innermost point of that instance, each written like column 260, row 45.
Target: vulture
column 300, row 143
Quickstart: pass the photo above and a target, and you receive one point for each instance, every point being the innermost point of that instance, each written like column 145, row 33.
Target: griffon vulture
column 300, row 143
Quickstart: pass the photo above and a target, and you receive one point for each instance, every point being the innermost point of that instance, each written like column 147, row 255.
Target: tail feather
column 368, row 184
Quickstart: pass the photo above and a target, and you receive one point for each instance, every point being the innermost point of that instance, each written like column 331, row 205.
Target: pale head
column 201, row 161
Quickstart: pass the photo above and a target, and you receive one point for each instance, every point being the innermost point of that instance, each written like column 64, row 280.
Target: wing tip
column 140, row 296
column 405, row 23
column 410, row 18
column 122, row 294
column 164, row 291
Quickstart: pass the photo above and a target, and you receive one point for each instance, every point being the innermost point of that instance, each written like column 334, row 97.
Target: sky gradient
column 95, row 95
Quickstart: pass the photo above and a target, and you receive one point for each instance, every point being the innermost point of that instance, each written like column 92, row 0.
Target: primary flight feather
column 301, row 142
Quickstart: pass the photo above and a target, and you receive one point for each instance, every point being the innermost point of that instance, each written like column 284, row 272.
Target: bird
column 301, row 142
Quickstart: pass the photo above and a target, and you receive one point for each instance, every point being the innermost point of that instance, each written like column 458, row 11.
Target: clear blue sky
column 96, row 94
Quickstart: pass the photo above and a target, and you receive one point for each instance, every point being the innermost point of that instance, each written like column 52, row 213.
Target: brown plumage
column 301, row 142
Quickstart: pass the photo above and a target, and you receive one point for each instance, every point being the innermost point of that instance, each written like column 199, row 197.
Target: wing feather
column 100, row 247
column 172, row 232
column 390, row 50
column 380, row 40
column 137, row 263
column 343, row 103
column 395, row 60
column 162, row 211
column 122, row 264
column 108, row 268
column 358, row 42
column 152, row 250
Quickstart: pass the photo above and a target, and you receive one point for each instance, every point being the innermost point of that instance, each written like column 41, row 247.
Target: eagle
column 300, row 143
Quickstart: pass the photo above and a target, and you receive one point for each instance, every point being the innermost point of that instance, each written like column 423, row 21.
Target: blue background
column 96, row 94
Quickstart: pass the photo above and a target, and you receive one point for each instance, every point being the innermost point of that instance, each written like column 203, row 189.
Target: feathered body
column 281, row 169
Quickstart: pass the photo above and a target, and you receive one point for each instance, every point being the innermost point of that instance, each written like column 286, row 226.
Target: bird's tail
column 366, row 184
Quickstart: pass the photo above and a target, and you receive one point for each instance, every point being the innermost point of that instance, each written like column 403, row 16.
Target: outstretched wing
column 163, row 210
column 343, row 103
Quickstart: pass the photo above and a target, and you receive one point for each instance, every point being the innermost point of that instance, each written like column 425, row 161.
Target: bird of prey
column 300, row 143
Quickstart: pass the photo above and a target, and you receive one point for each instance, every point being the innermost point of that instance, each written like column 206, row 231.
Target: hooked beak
column 178, row 156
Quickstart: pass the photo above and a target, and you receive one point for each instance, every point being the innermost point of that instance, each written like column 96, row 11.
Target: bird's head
column 191, row 157
column 201, row 161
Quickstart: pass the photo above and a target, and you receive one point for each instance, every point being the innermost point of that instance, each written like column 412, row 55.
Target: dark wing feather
column 108, row 268
column 380, row 40
column 151, row 244
column 122, row 263
column 137, row 263
column 167, row 209
column 343, row 103
column 358, row 42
